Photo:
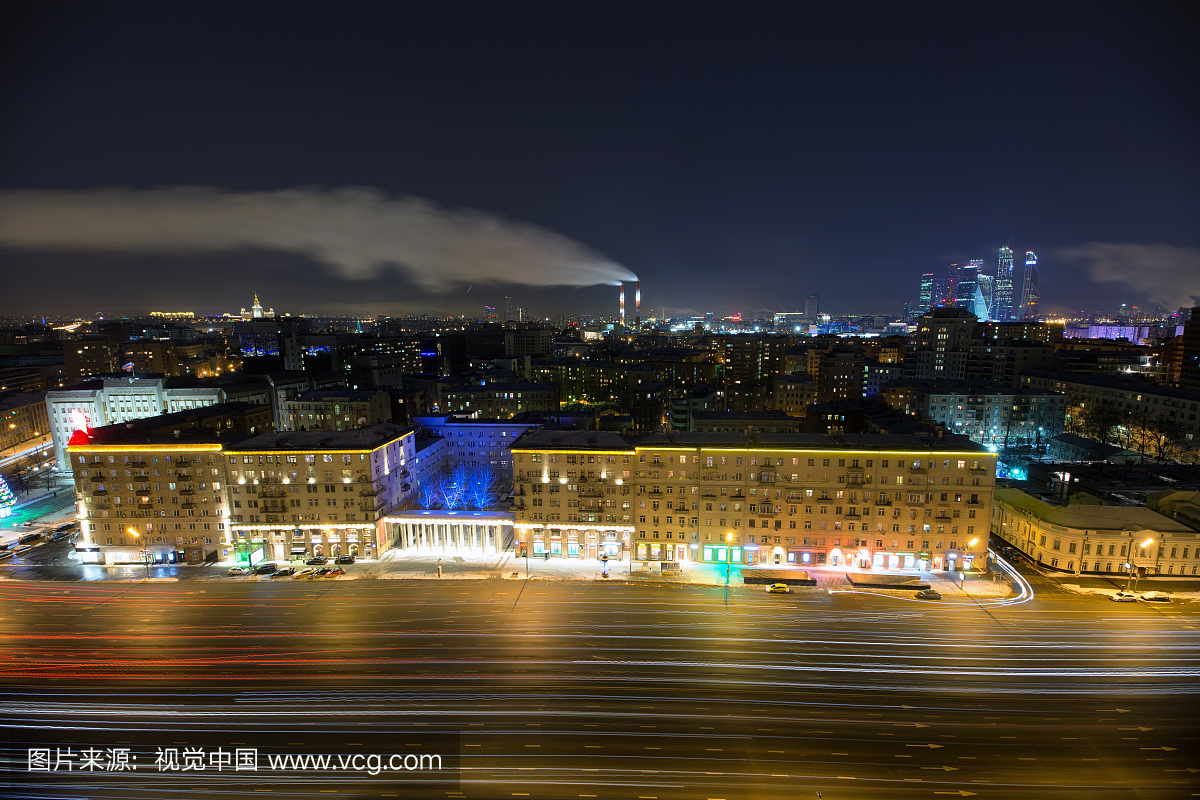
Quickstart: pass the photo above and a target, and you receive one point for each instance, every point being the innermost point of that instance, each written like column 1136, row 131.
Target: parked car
column 316, row 560
column 283, row 572
column 237, row 571
column 304, row 573
column 322, row 572
column 59, row 536
column 5, row 554
column 66, row 526
column 778, row 588
column 929, row 594
column 333, row 573
column 1156, row 597
column 344, row 560
column 266, row 568
column 29, row 537
column 1123, row 597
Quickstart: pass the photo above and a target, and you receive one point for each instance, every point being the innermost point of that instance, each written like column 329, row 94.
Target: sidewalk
column 423, row 566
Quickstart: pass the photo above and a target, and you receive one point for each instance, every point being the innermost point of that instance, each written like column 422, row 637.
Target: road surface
column 549, row 690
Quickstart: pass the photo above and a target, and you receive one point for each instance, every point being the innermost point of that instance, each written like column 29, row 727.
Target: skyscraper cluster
column 1010, row 294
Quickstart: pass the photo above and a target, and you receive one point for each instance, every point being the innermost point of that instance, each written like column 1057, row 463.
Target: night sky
column 736, row 156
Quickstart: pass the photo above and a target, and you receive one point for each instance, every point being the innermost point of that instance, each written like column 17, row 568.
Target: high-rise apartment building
column 1002, row 292
column 89, row 358
column 1030, row 297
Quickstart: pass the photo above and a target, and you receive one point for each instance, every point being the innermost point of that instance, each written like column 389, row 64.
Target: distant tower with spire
column 256, row 310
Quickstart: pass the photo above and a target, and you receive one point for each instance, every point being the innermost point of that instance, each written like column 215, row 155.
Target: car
column 266, row 568
column 778, row 588
column 929, row 594
column 322, row 572
column 344, row 560
column 316, row 560
column 5, row 554
column 29, row 537
column 333, row 573
column 304, row 573
column 66, row 526
column 237, row 571
column 1156, row 597
column 1123, row 597
column 58, row 537
column 283, row 572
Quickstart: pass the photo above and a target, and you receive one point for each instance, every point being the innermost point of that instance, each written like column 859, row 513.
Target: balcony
column 370, row 492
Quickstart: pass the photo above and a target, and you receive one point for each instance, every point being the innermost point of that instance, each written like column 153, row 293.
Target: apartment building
column 501, row 400
column 1089, row 538
column 144, row 496
column 862, row 502
column 1124, row 397
column 307, row 493
column 985, row 411
column 573, row 494
column 336, row 410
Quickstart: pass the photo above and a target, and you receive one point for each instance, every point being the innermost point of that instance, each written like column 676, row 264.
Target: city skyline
column 716, row 162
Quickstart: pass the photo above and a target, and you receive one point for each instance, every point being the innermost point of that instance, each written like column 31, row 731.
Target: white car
column 237, row 571
column 1156, row 597
column 1123, row 597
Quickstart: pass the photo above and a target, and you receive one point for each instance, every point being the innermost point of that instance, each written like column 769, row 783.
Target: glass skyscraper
column 1002, row 288
column 1030, row 296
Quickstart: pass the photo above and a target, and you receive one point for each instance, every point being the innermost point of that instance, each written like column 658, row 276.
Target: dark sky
column 735, row 156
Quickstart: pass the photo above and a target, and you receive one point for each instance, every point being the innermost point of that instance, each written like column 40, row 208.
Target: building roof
column 368, row 438
column 130, row 435
column 968, row 387
column 573, row 440
column 769, row 415
column 320, row 395
column 1122, row 383
column 1090, row 516
column 867, row 442
column 1084, row 443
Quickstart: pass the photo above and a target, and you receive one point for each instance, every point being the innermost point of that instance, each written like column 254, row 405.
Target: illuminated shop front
column 579, row 542
column 302, row 541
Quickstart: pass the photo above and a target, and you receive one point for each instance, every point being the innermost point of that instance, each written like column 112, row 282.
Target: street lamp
column 1129, row 564
column 728, row 555
column 143, row 553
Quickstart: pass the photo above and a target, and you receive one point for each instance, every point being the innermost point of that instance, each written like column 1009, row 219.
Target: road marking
column 1135, row 729
column 930, row 746
column 1164, row 748
column 946, row 769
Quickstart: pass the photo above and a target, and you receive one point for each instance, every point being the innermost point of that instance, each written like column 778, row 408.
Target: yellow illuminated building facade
column 156, row 500
column 857, row 502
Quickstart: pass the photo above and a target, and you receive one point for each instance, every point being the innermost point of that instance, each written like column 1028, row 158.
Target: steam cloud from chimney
column 357, row 233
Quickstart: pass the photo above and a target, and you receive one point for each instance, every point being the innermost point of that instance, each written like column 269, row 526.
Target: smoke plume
column 357, row 233
column 1166, row 274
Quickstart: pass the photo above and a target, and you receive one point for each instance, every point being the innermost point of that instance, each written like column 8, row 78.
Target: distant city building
column 1002, row 292
column 812, row 307
column 925, row 297
column 336, row 410
column 1030, row 296
column 983, row 296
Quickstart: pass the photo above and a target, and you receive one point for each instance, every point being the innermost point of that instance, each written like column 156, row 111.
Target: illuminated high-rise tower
column 1030, row 296
column 925, row 298
column 256, row 310
column 1002, row 288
